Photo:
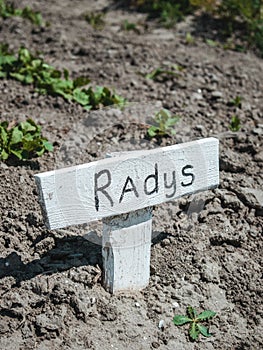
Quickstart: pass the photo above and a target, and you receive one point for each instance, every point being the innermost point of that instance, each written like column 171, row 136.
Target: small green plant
column 212, row 43
column 235, row 124
column 164, row 122
column 168, row 12
column 29, row 69
column 7, row 10
column 130, row 26
column 95, row 19
column 189, row 39
column 164, row 73
column 22, row 141
column 196, row 328
column 236, row 101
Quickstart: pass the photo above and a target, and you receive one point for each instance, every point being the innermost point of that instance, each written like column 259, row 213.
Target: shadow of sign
column 68, row 252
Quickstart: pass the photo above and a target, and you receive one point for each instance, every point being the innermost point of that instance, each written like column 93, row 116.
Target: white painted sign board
column 132, row 181
column 127, row 183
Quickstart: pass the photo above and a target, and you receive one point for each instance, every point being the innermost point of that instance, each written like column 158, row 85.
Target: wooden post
column 126, row 250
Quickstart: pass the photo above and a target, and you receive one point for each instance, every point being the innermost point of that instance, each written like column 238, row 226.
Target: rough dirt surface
column 206, row 249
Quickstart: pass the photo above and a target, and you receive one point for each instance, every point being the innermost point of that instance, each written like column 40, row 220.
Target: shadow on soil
column 68, row 252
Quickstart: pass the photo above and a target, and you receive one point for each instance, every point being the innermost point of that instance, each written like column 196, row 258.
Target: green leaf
column 6, row 59
column 203, row 330
column 40, row 152
column 211, row 43
column 3, row 135
column 24, row 55
column 16, row 136
column 235, row 123
column 191, row 312
column 27, row 126
column 181, row 319
column 81, row 97
column 2, row 74
column 48, row 146
column 172, row 121
column 205, row 315
column 28, row 137
column 80, row 81
column 4, row 155
column 66, row 74
column 194, row 331
column 152, row 131
column 18, row 153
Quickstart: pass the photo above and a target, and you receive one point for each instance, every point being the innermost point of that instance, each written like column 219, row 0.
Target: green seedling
column 189, row 39
column 235, row 124
column 7, row 10
column 212, row 43
column 236, row 101
column 194, row 319
column 164, row 73
column 164, row 122
column 29, row 69
column 129, row 26
column 96, row 20
column 22, row 141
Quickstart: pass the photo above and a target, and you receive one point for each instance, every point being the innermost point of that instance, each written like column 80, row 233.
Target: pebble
column 259, row 157
column 216, row 94
column 175, row 304
column 161, row 324
column 257, row 131
column 196, row 96
column 253, row 197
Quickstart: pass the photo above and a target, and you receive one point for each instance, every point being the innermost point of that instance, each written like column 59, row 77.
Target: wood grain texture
column 131, row 181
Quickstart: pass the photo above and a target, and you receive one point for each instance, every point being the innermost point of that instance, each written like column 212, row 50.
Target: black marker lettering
column 188, row 174
column 155, row 178
column 173, row 184
column 132, row 188
column 102, row 188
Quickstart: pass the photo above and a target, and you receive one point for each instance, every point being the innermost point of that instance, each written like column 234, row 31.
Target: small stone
column 253, row 197
column 216, row 94
column 196, row 96
column 175, row 304
column 214, row 78
column 3, row 165
column 257, row 131
column 155, row 345
column 259, row 157
column 246, row 106
column 210, row 272
column 161, row 324
column 210, row 87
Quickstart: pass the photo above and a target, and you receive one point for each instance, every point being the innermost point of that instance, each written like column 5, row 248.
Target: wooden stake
column 126, row 250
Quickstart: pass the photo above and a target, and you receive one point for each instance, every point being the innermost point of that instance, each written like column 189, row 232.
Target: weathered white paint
column 127, row 183
column 126, row 250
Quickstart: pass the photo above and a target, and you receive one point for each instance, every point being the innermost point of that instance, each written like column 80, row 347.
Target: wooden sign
column 127, row 183
column 132, row 181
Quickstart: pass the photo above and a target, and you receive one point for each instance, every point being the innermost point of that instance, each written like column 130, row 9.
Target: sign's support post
column 126, row 250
